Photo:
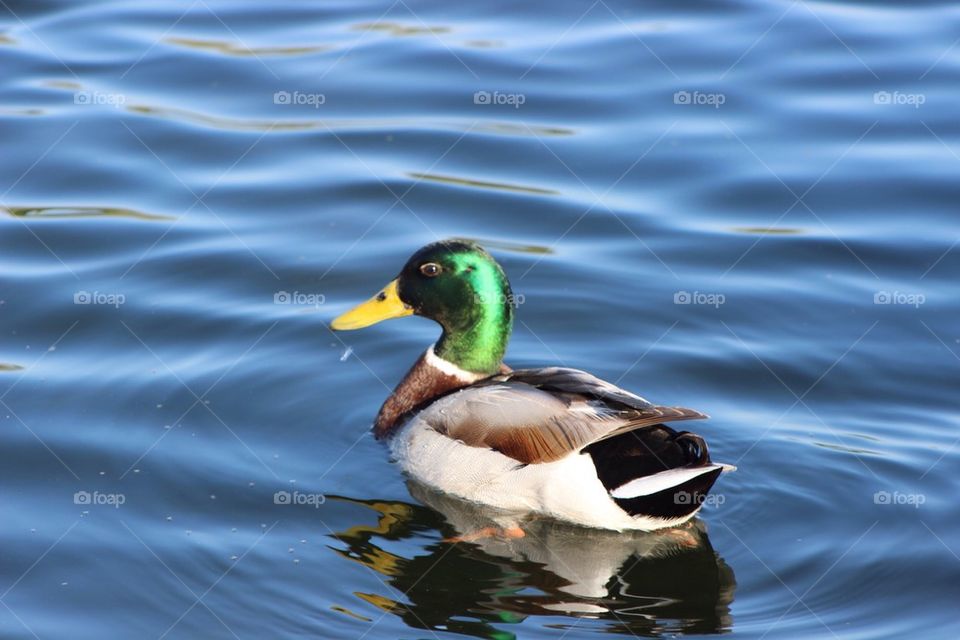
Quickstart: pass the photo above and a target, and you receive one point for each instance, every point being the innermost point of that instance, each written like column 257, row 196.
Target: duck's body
column 554, row 441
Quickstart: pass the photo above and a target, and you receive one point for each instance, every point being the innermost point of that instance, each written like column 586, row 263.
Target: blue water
column 789, row 170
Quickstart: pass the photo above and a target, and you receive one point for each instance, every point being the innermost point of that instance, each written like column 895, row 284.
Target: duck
column 553, row 442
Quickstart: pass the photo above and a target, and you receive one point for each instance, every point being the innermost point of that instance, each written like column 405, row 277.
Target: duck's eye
column 430, row 269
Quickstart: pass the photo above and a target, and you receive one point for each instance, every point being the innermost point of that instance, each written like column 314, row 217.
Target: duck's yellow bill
column 383, row 306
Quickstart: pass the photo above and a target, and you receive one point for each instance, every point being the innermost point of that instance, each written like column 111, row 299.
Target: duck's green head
column 460, row 286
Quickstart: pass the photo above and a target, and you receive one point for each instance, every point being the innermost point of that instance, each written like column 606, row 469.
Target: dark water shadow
column 639, row 584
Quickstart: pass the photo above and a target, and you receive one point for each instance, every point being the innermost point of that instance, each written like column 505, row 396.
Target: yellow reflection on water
column 397, row 29
column 81, row 212
column 482, row 184
column 503, row 245
column 233, row 49
column 768, row 231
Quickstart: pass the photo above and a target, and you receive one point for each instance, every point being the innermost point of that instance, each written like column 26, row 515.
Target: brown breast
column 422, row 384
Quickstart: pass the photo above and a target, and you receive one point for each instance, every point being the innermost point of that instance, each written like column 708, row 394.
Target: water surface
column 747, row 208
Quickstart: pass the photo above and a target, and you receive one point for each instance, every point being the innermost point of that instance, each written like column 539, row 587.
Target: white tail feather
column 648, row 485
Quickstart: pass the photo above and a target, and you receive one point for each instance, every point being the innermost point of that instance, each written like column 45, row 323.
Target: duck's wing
column 542, row 415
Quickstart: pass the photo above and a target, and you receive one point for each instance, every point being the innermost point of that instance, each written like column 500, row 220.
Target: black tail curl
column 696, row 448
column 644, row 452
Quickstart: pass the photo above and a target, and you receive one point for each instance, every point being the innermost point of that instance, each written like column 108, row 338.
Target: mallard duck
column 554, row 441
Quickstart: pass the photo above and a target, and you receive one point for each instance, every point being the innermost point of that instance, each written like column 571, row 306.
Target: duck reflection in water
column 634, row 583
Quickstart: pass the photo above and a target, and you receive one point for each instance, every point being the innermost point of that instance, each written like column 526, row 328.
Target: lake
column 747, row 208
